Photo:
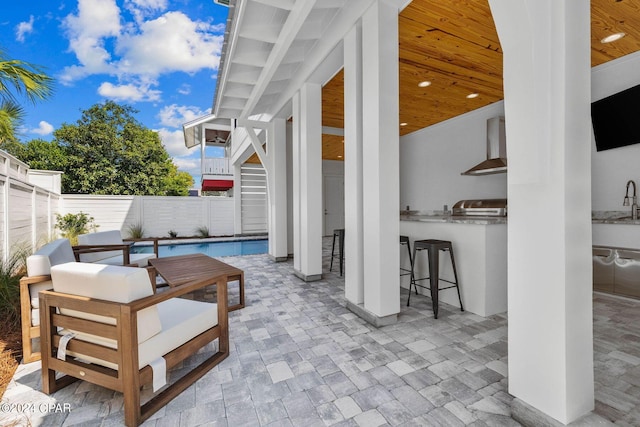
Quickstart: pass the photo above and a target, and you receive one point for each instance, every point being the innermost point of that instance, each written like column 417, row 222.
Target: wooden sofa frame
column 128, row 378
column 29, row 331
column 125, row 247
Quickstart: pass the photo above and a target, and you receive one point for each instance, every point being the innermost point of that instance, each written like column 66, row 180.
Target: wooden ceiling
column 454, row 45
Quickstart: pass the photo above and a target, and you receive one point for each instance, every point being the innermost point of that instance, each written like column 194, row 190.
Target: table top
column 184, row 268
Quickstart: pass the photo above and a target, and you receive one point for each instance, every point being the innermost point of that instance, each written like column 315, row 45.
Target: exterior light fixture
column 473, row 95
column 612, row 37
column 424, row 83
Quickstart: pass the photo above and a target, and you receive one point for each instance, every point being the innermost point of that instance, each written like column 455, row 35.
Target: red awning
column 216, row 184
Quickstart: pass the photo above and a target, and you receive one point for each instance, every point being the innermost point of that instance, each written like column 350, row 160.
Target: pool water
column 213, row 249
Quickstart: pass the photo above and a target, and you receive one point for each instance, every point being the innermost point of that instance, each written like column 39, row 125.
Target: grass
column 136, row 231
column 202, row 231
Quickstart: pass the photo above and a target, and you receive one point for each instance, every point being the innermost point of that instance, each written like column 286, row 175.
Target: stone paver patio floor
column 299, row 357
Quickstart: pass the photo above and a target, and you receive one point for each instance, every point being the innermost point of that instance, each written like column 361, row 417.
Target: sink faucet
column 634, row 205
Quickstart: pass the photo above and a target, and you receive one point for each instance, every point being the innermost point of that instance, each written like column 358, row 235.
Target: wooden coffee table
column 177, row 270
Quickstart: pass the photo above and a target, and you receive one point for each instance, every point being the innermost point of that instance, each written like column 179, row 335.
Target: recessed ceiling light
column 613, row 37
column 424, row 83
column 403, row 124
column 339, row 157
column 473, row 95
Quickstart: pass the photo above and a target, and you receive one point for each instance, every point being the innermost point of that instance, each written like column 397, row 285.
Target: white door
column 333, row 203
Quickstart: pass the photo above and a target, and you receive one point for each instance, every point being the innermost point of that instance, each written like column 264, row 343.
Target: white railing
column 217, row 166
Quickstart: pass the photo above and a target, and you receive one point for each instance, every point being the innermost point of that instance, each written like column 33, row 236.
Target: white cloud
column 23, row 29
column 172, row 42
column 43, row 128
column 143, row 49
column 176, row 115
column 187, row 164
column 140, row 9
column 185, row 89
column 96, row 21
column 149, row 4
column 173, row 141
column 129, row 92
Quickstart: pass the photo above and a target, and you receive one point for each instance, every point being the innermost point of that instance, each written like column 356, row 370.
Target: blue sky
column 159, row 56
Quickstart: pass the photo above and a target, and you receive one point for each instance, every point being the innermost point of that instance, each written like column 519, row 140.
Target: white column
column 353, row 221
column 546, row 46
column 296, row 147
column 381, row 164
column 277, row 181
column 310, row 187
column 307, row 182
column 237, row 198
column 203, row 151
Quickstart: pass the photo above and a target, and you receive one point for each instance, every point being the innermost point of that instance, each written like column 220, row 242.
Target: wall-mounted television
column 616, row 119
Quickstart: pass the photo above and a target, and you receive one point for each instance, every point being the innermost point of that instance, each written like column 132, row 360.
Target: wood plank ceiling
column 454, row 45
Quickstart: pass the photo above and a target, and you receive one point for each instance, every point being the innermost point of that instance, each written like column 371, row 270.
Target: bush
column 202, row 231
column 136, row 231
column 72, row 225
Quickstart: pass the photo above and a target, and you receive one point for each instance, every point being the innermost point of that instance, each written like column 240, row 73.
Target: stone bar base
column 309, row 278
column 370, row 317
column 529, row 416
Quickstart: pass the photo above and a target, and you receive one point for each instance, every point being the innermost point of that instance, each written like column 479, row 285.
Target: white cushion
column 37, row 287
column 112, row 237
column 181, row 319
column 141, row 260
column 35, row 317
column 53, row 253
column 110, row 283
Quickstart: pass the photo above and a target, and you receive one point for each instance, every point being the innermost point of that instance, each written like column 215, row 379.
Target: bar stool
column 339, row 233
column 404, row 240
column 433, row 248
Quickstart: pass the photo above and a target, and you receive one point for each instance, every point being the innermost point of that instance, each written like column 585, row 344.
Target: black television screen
column 616, row 119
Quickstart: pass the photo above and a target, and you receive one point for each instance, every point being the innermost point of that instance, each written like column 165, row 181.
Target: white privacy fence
column 30, row 200
column 27, row 211
column 157, row 215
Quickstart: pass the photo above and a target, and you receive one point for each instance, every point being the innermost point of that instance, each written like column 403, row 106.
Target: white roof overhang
column 193, row 130
column 272, row 47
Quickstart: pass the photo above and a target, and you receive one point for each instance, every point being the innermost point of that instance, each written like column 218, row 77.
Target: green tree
column 41, row 154
column 178, row 183
column 109, row 152
column 19, row 78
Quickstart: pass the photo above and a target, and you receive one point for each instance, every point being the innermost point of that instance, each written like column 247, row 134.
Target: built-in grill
column 482, row 207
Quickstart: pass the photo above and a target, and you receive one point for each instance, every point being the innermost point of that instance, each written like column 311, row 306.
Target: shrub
column 202, row 231
column 173, row 234
column 136, row 231
column 10, row 273
column 72, row 225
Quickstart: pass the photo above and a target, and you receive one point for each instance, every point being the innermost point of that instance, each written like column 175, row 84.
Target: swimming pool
column 213, row 249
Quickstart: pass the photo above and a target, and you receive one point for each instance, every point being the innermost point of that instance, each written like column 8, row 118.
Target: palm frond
column 11, row 116
column 24, row 78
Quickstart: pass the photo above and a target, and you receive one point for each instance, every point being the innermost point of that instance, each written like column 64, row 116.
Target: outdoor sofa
column 38, row 278
column 105, row 324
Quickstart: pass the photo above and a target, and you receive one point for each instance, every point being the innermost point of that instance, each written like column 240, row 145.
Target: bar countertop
column 454, row 219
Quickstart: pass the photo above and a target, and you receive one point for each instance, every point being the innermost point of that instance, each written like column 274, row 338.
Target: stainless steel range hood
column 496, row 150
